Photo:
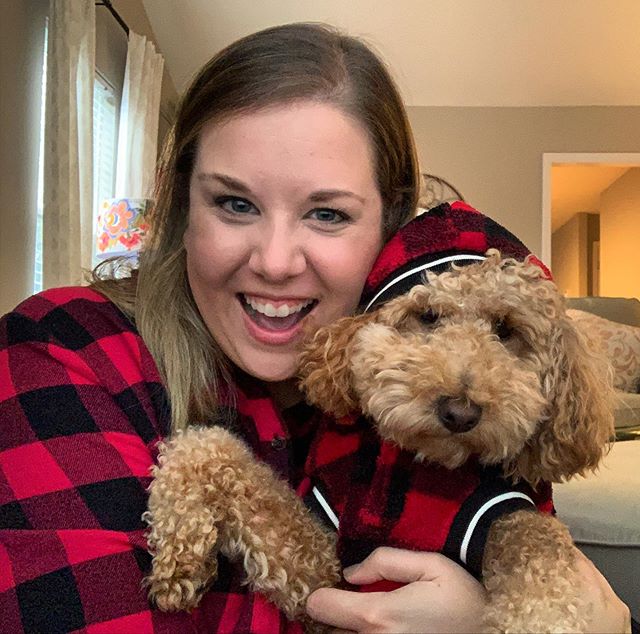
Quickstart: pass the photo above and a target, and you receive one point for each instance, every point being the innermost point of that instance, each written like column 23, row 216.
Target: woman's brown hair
column 279, row 65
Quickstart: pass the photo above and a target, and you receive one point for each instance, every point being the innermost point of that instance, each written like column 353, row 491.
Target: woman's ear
column 325, row 366
column 579, row 423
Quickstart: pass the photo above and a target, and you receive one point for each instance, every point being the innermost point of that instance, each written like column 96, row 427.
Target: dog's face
column 479, row 361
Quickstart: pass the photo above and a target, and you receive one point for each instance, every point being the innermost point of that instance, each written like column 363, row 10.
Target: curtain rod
column 114, row 13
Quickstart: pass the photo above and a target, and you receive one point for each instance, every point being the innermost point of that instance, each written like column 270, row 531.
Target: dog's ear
column 325, row 366
column 579, row 423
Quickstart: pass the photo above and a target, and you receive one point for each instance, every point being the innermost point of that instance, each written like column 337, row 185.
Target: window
column 37, row 271
column 105, row 132
column 105, row 127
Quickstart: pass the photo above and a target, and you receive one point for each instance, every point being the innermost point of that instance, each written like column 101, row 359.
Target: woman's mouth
column 276, row 316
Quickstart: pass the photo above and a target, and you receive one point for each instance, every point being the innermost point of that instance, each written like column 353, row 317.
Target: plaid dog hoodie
column 373, row 492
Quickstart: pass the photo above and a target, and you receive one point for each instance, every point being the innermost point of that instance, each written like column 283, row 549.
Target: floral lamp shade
column 122, row 225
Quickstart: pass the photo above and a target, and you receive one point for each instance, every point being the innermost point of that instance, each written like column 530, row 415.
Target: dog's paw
column 176, row 584
column 173, row 594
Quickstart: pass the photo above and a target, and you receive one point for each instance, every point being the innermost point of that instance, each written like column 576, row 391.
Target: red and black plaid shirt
column 82, row 409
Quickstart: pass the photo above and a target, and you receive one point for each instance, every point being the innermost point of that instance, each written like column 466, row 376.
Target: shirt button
column 278, row 443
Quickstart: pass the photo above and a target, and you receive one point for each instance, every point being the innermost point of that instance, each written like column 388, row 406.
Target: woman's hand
column 440, row 596
column 608, row 612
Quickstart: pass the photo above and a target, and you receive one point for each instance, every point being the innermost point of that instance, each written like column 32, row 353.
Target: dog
column 480, row 362
column 476, row 364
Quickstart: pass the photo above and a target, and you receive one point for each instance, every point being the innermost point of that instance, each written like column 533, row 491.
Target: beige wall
column 494, row 155
column 620, row 237
column 569, row 256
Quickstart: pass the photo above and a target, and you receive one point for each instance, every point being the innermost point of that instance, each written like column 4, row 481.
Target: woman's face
column 284, row 225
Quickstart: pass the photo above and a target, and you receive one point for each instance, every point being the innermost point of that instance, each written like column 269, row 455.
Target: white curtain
column 68, row 156
column 139, row 117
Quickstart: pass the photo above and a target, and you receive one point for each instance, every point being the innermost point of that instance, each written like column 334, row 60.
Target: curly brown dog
column 480, row 361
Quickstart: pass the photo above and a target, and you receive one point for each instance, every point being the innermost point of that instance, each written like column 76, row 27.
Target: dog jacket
column 376, row 494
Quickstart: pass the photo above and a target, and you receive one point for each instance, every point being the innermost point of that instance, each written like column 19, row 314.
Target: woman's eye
column 329, row 216
column 235, row 205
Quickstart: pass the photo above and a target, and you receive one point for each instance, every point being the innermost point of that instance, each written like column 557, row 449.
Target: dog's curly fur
column 210, row 495
column 494, row 334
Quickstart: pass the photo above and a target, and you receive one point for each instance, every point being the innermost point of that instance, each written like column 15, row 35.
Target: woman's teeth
column 269, row 310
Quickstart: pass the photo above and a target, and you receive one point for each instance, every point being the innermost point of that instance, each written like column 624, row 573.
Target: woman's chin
column 272, row 371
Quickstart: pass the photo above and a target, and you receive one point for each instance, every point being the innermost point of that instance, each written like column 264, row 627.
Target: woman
column 291, row 163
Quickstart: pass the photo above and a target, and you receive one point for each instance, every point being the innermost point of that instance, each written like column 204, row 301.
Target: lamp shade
column 122, row 226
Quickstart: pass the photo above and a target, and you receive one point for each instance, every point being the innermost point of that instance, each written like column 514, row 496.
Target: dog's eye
column 502, row 329
column 428, row 317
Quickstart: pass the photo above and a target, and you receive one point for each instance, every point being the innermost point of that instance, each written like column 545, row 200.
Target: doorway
column 591, row 223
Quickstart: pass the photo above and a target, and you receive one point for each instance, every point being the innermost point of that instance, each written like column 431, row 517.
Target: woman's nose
column 277, row 254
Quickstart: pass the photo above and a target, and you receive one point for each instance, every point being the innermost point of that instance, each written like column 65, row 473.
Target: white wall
column 569, row 256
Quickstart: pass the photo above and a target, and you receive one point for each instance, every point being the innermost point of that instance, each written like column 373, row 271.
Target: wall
column 569, row 256
column 494, row 155
column 572, row 254
column 620, row 237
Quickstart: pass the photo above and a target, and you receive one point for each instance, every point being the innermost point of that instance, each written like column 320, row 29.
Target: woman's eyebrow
column 228, row 181
column 319, row 196
column 323, row 195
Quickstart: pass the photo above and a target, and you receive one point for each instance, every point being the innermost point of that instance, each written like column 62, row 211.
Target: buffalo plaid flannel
column 447, row 229
column 393, row 500
column 82, row 409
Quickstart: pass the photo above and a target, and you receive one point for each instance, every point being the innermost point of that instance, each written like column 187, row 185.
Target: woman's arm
column 440, row 596
column 77, row 428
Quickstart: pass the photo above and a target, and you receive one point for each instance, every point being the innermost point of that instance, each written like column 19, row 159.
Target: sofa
column 614, row 324
column 602, row 510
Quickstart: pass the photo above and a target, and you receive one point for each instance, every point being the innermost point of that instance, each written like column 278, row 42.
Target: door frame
column 549, row 159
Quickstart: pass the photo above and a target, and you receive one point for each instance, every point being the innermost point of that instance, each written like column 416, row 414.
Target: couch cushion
column 602, row 512
column 627, row 412
column 604, row 508
column 621, row 309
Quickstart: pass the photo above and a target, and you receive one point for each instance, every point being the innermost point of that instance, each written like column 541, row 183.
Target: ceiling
column 442, row 52
column 577, row 187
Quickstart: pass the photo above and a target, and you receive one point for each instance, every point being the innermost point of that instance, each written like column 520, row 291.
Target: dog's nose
column 458, row 414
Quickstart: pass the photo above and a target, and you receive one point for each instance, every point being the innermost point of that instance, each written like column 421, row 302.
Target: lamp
column 122, row 226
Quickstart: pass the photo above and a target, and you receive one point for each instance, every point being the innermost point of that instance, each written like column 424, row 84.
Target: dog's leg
column 529, row 571
column 285, row 552
column 249, row 515
column 183, row 528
